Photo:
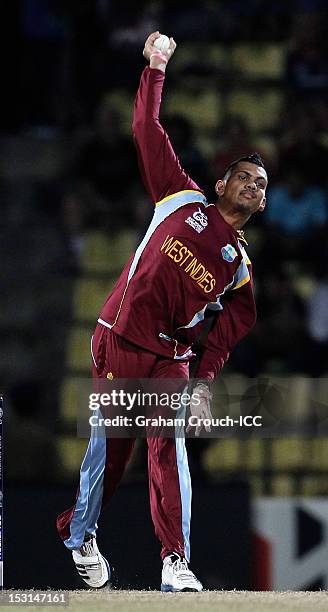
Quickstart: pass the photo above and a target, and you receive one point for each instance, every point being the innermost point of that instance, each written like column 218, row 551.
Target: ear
column 220, row 187
column 262, row 205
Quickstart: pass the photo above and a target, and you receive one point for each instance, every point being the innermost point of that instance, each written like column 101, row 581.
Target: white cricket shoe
column 91, row 565
column 176, row 575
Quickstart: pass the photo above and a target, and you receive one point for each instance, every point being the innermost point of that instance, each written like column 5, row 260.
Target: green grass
column 208, row 601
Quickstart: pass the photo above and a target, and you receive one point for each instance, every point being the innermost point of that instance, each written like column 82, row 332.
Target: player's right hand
column 149, row 48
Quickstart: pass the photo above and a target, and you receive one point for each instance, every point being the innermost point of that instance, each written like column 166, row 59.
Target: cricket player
column 192, row 261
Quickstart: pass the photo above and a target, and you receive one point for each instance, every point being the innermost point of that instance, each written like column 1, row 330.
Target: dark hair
column 253, row 158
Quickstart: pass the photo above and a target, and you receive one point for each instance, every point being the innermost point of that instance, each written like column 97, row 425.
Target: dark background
column 221, row 547
column 247, row 75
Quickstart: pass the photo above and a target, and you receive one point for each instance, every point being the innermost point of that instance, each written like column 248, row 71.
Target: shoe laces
column 181, row 565
column 87, row 549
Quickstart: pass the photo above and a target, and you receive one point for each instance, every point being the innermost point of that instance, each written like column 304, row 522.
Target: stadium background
column 246, row 75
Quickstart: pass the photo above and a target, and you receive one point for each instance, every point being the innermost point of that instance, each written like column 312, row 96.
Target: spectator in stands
column 307, row 64
column 301, row 147
column 296, row 208
column 184, row 142
column 237, row 142
column 89, row 65
column 130, row 23
column 99, row 191
column 31, row 453
column 279, row 334
column 296, row 219
column 45, row 28
column 193, row 21
column 317, row 325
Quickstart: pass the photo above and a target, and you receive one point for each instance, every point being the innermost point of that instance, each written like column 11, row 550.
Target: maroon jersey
column 190, row 260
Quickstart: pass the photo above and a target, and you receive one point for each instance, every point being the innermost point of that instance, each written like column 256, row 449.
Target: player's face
column 245, row 188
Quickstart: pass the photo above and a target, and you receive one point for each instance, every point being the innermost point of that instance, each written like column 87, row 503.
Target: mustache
column 245, row 191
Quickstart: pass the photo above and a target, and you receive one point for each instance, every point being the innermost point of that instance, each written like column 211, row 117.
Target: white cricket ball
column 162, row 42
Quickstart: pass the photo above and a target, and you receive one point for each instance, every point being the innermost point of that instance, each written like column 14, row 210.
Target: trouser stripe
column 185, row 486
column 89, row 501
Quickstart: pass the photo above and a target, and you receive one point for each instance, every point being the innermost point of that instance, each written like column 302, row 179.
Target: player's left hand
column 200, row 407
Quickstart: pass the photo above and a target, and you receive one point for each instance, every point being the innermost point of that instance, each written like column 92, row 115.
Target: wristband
column 203, row 388
column 201, row 382
column 160, row 56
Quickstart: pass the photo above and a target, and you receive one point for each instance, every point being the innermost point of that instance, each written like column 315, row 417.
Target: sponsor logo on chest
column 198, row 221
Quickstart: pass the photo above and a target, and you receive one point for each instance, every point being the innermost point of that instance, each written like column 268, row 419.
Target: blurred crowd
column 67, row 59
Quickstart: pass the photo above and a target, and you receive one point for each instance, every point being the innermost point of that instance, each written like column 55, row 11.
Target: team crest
column 229, row 253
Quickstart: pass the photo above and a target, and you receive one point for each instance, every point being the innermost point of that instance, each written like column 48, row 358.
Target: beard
column 243, row 207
